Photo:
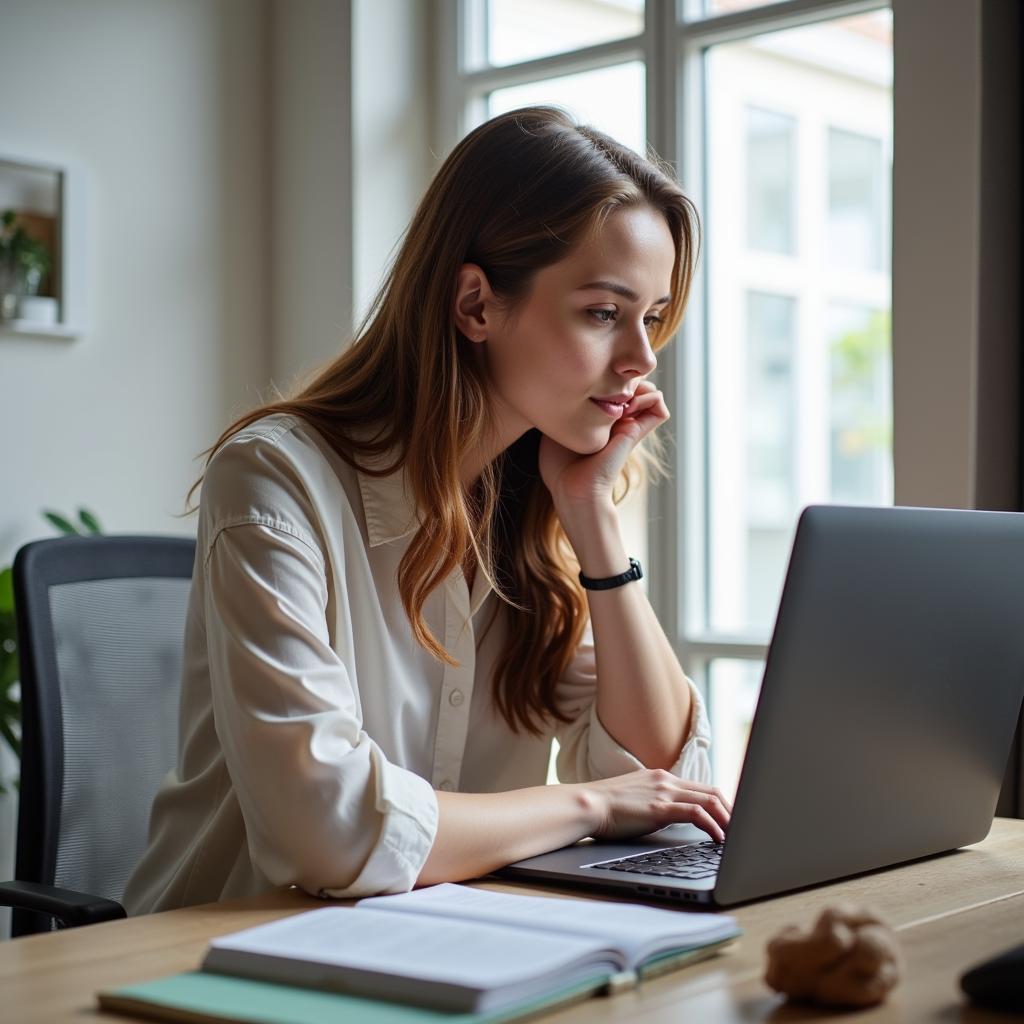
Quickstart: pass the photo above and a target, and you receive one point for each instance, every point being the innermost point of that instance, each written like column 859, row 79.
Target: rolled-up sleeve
column 586, row 751
column 323, row 807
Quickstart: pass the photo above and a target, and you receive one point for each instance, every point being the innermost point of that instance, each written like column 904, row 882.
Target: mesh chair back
column 101, row 622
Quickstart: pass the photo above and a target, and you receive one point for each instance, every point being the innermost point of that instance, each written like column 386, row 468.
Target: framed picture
column 42, row 287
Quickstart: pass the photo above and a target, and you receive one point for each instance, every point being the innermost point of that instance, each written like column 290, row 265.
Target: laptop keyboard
column 697, row 860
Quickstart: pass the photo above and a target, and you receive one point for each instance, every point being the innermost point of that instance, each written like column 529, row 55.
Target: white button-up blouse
column 314, row 730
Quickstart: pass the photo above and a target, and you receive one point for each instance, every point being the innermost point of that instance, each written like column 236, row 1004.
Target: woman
column 409, row 577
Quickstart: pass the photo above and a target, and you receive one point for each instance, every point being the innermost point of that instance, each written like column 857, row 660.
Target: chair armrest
column 69, row 907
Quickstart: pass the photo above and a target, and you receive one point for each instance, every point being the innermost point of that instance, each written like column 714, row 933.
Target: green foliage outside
column 856, row 357
column 10, row 702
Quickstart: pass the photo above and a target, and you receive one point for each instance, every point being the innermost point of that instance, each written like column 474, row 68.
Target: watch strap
column 634, row 572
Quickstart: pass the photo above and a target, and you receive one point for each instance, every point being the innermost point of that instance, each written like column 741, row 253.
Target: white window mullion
column 688, row 360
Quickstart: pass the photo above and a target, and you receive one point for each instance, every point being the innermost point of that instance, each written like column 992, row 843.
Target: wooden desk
column 950, row 912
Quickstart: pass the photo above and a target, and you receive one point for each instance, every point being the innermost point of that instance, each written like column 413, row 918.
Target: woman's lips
column 613, row 409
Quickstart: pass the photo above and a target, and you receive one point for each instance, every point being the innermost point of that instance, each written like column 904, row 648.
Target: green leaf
column 62, row 525
column 6, row 590
column 8, row 658
column 89, row 521
column 8, row 734
column 8, row 670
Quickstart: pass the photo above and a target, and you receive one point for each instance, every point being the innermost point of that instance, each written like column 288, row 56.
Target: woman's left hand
column 574, row 479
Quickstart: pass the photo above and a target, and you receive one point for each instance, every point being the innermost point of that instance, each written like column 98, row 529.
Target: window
column 520, row 30
column 611, row 99
column 856, row 201
column 780, row 379
column 771, row 181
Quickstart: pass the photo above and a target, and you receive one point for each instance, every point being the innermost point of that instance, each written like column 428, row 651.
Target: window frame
column 671, row 48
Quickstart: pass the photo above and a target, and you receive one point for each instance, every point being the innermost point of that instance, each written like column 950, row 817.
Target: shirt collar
column 388, row 501
column 390, row 510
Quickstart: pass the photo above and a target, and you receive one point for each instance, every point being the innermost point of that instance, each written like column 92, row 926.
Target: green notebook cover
column 198, row 997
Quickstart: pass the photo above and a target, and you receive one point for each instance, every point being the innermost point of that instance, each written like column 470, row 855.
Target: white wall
column 311, row 183
column 164, row 106
column 223, row 166
column 392, row 162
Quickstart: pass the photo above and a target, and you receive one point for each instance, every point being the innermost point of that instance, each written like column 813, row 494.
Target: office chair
column 100, row 627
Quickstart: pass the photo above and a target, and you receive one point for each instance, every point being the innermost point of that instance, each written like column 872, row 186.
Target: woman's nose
column 637, row 358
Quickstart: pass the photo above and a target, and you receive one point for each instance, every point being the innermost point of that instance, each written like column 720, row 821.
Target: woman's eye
column 607, row 316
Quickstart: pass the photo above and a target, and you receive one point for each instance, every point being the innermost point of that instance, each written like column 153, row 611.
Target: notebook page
column 475, row 954
column 636, row 930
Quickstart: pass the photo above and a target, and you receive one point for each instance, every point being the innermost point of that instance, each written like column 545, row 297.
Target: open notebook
column 445, row 950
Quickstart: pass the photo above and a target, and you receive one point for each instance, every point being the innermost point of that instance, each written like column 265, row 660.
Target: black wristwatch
column 634, row 572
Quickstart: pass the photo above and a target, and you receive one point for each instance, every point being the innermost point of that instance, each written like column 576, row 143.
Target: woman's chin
column 587, row 443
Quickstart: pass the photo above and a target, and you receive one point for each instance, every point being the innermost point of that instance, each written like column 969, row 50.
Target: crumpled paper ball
column 848, row 958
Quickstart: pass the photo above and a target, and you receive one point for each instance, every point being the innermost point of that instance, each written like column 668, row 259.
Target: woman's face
column 583, row 333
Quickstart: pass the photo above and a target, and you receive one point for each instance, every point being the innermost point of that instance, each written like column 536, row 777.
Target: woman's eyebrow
column 618, row 289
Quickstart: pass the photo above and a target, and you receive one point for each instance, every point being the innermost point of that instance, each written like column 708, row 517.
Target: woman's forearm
column 480, row 832
column 642, row 696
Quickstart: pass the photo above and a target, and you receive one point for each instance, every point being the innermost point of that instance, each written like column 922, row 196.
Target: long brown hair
column 514, row 196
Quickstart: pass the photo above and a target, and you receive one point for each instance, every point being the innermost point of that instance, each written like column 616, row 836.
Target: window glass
column 771, row 180
column 518, row 30
column 855, row 201
column 611, row 99
column 860, row 449
column 695, row 9
column 733, row 688
column 797, row 351
column 771, row 447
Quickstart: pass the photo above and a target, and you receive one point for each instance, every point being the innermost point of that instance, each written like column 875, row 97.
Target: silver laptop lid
column 891, row 692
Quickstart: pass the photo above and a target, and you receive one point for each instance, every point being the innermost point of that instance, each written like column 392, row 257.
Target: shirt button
column 447, row 786
column 455, row 698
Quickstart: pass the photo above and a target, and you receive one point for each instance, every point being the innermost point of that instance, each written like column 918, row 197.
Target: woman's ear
column 473, row 296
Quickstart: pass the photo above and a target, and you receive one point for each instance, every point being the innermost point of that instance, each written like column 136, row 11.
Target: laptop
column 890, row 695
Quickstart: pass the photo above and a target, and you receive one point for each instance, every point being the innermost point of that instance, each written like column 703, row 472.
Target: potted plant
column 10, row 703
column 24, row 262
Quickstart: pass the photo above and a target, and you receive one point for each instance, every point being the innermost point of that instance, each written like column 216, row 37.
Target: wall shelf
column 34, row 329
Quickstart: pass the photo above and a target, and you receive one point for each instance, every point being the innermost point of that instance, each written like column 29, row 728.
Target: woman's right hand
column 646, row 800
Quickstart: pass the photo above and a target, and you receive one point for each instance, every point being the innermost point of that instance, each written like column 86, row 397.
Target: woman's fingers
column 697, row 815
column 689, row 784
column 709, row 803
column 643, row 400
column 647, row 410
column 649, row 799
column 703, row 787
